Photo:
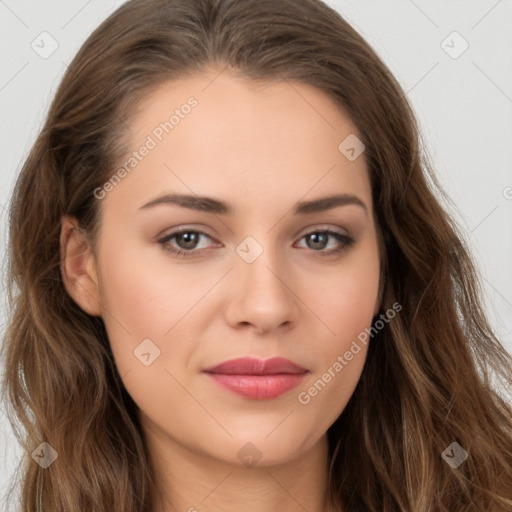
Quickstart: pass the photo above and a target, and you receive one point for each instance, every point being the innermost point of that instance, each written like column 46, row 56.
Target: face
column 262, row 269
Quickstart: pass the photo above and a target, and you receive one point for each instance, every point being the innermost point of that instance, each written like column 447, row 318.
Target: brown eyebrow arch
column 211, row 205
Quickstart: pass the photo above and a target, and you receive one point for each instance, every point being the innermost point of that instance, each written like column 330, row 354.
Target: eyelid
column 322, row 227
column 186, row 229
column 344, row 239
column 311, row 229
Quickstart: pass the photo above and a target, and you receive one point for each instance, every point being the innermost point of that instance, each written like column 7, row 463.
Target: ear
column 78, row 267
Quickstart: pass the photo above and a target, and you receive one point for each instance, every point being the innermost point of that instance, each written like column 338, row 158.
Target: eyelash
column 164, row 242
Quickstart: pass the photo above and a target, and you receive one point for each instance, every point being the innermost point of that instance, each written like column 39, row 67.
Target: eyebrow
column 211, row 205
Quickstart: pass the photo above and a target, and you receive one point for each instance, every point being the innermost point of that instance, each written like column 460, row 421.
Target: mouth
column 257, row 379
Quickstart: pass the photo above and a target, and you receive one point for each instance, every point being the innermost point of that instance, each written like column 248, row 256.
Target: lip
column 254, row 366
column 257, row 379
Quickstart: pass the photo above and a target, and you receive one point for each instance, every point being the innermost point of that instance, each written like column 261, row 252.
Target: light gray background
column 463, row 104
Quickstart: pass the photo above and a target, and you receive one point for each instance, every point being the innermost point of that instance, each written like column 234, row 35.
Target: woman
column 179, row 341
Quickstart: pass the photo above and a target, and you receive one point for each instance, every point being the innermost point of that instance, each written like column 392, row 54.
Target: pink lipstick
column 256, row 378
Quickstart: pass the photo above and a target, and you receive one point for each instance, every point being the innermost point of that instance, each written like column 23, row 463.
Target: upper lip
column 253, row 366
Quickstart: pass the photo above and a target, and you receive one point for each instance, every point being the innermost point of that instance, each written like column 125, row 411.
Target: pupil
column 316, row 235
column 191, row 239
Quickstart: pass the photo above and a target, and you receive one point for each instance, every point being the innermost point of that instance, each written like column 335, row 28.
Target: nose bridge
column 262, row 294
column 259, row 262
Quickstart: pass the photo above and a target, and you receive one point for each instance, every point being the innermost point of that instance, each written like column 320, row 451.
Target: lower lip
column 258, row 387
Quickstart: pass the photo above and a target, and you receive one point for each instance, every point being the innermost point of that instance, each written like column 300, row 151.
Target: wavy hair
column 430, row 375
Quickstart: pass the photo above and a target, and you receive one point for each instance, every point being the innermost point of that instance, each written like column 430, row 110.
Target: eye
column 187, row 241
column 319, row 239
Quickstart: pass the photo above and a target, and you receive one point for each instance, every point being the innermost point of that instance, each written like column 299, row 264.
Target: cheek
column 139, row 303
column 145, row 295
column 339, row 355
column 346, row 298
column 345, row 301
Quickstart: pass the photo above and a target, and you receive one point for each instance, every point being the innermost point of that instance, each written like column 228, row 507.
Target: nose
column 262, row 295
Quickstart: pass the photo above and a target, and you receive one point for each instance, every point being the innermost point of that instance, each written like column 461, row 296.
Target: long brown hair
column 429, row 378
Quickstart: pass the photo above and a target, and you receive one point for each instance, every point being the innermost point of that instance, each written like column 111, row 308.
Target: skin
column 278, row 146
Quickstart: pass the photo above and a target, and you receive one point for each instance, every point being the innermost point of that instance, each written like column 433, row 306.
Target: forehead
column 266, row 141
column 225, row 99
